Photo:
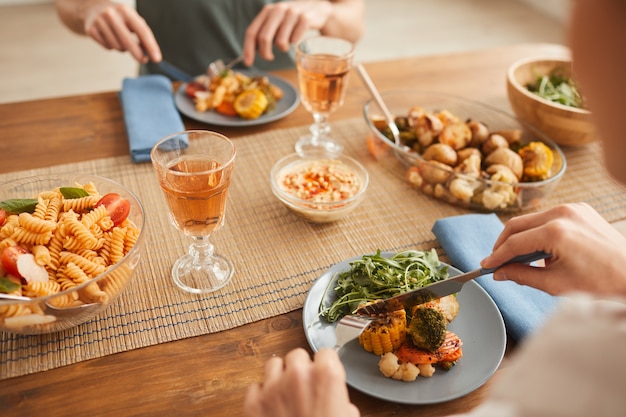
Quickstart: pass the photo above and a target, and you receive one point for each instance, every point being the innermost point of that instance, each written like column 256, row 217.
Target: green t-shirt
column 193, row 33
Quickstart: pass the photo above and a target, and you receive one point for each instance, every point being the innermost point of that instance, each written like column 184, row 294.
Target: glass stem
column 320, row 129
column 201, row 249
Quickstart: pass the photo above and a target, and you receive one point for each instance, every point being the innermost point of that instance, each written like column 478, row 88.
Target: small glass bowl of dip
column 319, row 188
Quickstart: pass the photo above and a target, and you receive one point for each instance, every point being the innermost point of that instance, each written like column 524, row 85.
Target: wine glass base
column 203, row 278
column 310, row 145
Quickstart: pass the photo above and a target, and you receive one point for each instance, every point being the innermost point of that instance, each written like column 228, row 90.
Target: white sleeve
column 574, row 366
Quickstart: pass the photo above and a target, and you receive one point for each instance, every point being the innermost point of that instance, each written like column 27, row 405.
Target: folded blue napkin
column 467, row 240
column 149, row 113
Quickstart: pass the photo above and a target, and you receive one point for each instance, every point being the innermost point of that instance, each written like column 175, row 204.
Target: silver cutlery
column 439, row 289
column 83, row 309
column 217, row 67
column 349, row 328
column 380, row 102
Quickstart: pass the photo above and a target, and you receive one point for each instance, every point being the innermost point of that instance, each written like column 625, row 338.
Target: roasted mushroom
column 435, row 172
column 492, row 143
column 442, row 153
column 480, row 133
column 427, row 128
column 465, row 153
column 506, row 157
column 511, row 135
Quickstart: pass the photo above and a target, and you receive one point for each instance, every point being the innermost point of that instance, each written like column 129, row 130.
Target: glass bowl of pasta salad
column 319, row 188
column 69, row 245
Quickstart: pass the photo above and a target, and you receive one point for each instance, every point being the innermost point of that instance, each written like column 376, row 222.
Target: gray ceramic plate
column 284, row 106
column 479, row 325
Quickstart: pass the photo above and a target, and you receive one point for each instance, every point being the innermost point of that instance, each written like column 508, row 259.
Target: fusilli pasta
column 74, row 242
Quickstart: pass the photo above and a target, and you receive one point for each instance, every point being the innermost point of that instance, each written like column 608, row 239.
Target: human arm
column 297, row 386
column 598, row 42
column 588, row 254
column 113, row 25
column 283, row 24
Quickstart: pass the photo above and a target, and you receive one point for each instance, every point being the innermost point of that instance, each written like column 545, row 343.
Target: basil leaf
column 19, row 205
column 7, row 286
column 71, row 193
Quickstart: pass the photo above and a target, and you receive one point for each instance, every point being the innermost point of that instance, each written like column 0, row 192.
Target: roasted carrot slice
column 407, row 353
column 226, row 108
column 453, row 356
column 449, row 351
column 377, row 147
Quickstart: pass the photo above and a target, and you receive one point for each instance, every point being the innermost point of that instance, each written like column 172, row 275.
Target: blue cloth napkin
column 467, row 240
column 149, row 113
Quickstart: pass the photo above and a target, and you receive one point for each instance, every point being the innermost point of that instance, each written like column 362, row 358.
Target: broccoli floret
column 427, row 329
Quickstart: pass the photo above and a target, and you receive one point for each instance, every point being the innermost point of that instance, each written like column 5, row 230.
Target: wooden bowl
column 567, row 126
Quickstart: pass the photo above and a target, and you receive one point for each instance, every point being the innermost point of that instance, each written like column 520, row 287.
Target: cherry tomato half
column 3, row 216
column 9, row 259
column 118, row 207
column 193, row 87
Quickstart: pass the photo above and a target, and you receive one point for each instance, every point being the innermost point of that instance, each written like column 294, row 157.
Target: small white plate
column 284, row 106
column 479, row 325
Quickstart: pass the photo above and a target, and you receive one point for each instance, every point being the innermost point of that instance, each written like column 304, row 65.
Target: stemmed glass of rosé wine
column 194, row 169
column 323, row 65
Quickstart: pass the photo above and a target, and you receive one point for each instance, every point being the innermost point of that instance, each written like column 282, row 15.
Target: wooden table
column 208, row 375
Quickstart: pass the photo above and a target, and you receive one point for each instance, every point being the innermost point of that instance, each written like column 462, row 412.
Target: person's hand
column 283, row 24
column 300, row 387
column 118, row 26
column 588, row 254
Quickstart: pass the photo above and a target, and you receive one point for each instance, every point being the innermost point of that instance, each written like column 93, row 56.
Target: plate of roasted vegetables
column 431, row 353
column 237, row 98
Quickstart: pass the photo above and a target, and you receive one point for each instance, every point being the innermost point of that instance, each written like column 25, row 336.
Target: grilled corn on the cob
column 251, row 103
column 538, row 160
column 386, row 334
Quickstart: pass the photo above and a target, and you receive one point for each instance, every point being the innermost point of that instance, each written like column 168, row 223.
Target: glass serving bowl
column 76, row 303
column 315, row 210
column 474, row 184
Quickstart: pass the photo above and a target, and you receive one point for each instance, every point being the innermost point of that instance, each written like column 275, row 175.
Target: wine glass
column 323, row 66
column 194, row 169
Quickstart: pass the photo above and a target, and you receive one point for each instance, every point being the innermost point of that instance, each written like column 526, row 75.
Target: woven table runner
column 277, row 255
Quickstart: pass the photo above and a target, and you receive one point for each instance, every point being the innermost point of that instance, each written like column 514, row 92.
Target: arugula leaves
column 557, row 88
column 375, row 277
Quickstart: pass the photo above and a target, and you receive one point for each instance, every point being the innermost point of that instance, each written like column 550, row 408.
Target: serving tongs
column 391, row 122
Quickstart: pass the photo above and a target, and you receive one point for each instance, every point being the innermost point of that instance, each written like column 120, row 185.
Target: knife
column 439, row 289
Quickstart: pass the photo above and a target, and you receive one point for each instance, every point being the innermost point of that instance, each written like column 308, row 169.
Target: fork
column 349, row 328
column 217, row 67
